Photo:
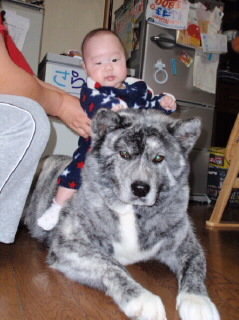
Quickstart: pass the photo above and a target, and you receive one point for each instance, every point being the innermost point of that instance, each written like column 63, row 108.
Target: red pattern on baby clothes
column 84, row 98
column 98, row 85
column 72, row 185
column 80, row 165
column 91, row 107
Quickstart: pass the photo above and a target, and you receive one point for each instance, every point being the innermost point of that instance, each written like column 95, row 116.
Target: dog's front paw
column 145, row 307
column 196, row 307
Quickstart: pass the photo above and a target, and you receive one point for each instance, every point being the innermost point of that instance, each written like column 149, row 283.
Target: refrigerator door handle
column 164, row 41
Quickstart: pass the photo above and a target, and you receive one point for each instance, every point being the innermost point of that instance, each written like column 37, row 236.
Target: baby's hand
column 119, row 107
column 168, row 102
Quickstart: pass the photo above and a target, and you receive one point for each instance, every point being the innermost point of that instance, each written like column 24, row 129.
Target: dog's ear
column 107, row 120
column 186, row 132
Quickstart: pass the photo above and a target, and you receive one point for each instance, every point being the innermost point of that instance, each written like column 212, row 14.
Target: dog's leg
column 190, row 267
column 88, row 266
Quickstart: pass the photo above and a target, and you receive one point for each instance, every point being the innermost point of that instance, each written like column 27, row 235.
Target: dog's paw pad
column 196, row 307
column 145, row 307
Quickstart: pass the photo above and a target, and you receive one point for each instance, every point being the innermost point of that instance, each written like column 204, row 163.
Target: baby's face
column 104, row 60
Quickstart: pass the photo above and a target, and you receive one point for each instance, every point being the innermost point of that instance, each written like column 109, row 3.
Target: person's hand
column 72, row 114
column 168, row 102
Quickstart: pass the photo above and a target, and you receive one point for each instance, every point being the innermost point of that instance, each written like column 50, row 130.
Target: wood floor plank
column 44, row 292
column 10, row 302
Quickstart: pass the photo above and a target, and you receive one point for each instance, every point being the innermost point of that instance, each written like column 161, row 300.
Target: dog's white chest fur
column 127, row 250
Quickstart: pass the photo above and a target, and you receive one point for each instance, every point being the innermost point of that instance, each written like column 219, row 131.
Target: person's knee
column 42, row 123
column 24, row 120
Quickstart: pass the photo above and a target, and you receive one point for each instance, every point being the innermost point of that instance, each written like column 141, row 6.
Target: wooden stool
column 231, row 180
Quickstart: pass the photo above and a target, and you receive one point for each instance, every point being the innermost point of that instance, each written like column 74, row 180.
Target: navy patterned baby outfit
column 135, row 94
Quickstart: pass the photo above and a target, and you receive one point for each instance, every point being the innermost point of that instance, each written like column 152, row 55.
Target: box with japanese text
column 64, row 72
column 67, row 74
column 217, row 170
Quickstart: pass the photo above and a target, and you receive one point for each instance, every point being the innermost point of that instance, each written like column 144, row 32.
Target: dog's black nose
column 140, row 188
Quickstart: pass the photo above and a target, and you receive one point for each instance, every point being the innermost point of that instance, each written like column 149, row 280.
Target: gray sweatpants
column 24, row 132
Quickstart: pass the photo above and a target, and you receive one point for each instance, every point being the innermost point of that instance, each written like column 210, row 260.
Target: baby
column 107, row 86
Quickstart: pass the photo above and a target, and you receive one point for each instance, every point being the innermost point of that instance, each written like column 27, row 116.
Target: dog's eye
column 125, row 155
column 158, row 158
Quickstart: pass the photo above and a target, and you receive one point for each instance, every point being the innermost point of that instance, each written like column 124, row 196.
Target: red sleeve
column 15, row 54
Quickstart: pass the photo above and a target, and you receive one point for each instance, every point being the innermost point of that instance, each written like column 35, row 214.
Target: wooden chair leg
column 224, row 194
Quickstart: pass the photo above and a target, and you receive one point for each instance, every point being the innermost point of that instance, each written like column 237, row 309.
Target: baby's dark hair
column 97, row 31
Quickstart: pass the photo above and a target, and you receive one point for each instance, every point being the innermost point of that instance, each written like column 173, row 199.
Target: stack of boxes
column 217, row 170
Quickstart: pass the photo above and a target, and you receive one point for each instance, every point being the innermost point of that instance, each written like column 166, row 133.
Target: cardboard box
column 64, row 72
column 67, row 74
column 217, row 170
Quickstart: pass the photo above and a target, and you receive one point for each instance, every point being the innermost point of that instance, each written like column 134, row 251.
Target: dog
column 131, row 207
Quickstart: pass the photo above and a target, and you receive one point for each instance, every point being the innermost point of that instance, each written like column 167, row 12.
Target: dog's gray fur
column 132, row 206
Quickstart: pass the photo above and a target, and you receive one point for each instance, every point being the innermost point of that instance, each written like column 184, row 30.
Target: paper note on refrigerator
column 18, row 27
column 205, row 71
column 214, row 43
column 171, row 14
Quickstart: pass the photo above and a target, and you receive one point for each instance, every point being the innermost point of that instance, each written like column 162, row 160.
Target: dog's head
column 142, row 152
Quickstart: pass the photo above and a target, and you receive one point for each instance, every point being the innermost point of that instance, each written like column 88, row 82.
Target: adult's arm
column 16, row 81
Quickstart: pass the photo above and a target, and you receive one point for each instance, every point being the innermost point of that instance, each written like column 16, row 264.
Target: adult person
column 25, row 102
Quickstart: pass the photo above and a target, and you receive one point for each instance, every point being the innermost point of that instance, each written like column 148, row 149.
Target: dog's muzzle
column 140, row 189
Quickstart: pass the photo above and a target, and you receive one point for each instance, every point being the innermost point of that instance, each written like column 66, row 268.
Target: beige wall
column 67, row 21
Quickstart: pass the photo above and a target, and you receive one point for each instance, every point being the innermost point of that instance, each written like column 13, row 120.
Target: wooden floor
column 30, row 290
